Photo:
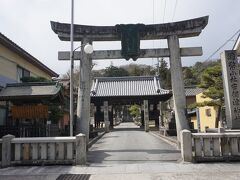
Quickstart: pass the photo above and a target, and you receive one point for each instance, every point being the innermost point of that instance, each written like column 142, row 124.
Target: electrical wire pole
column 71, row 69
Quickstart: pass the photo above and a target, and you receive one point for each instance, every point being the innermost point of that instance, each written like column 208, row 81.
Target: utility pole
column 71, row 70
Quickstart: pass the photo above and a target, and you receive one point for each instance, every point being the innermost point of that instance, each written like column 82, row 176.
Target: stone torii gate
column 170, row 31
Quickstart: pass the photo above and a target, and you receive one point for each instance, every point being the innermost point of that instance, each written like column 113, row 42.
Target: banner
column 30, row 112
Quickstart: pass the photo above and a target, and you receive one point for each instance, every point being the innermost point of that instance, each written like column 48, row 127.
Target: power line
column 175, row 8
column 153, row 10
column 165, row 4
column 153, row 16
column 223, row 45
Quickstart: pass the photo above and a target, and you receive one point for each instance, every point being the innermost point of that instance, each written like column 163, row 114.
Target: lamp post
column 71, row 69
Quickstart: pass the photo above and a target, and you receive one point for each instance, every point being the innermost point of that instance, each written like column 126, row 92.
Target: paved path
column 128, row 154
column 145, row 171
column 127, row 144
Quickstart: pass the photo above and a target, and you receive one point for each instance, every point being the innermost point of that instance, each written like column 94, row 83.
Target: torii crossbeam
column 182, row 29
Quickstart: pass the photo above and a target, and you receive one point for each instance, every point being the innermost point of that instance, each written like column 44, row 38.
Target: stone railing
column 43, row 150
column 200, row 147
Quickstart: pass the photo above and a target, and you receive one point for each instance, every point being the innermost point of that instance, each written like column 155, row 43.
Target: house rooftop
column 24, row 91
column 192, row 91
column 24, row 54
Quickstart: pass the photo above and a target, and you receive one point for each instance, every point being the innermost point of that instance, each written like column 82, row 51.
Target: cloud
column 28, row 23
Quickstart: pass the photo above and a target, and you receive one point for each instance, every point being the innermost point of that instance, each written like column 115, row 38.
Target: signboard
column 30, row 112
column 231, row 88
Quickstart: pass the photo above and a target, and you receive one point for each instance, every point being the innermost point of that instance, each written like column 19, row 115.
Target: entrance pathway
column 146, row 171
column 136, row 154
column 128, row 144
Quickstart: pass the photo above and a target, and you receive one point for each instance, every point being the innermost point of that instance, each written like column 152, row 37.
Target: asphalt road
column 128, row 144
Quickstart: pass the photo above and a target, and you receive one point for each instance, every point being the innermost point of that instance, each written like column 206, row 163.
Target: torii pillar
column 179, row 97
column 83, row 103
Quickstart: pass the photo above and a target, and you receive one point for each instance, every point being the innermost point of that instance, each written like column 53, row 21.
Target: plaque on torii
column 170, row 31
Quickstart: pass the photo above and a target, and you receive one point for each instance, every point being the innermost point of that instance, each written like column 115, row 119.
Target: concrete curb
column 165, row 139
column 94, row 140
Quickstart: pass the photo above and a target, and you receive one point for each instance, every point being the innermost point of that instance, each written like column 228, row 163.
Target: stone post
column 6, row 150
column 81, row 150
column 179, row 96
column 231, row 83
column 186, row 145
column 114, row 116
column 110, row 116
column 83, row 106
column 198, row 120
column 106, row 116
column 142, row 117
column 160, row 114
column 146, row 115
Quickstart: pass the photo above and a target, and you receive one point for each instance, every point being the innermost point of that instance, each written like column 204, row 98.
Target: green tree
column 164, row 74
column 199, row 67
column 134, row 69
column 97, row 73
column 189, row 78
column 113, row 71
column 149, row 71
column 134, row 110
column 139, row 69
column 212, row 83
column 56, row 113
column 135, row 113
column 34, row 79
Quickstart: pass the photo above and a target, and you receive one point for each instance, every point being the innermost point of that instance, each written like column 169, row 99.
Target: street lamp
column 88, row 48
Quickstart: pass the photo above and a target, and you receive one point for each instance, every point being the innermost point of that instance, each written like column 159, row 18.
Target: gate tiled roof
column 127, row 86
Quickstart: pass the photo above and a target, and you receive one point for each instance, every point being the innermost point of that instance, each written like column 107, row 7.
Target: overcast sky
column 27, row 23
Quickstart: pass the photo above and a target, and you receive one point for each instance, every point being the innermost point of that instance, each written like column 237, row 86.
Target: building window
column 208, row 112
column 21, row 72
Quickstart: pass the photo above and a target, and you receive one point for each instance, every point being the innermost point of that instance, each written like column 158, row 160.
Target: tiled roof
column 29, row 90
column 127, row 86
column 21, row 52
column 4, row 80
column 192, row 91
